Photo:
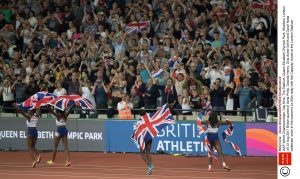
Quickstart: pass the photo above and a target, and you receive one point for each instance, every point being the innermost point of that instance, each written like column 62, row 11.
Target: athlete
column 212, row 135
column 61, row 134
column 146, row 152
column 32, row 134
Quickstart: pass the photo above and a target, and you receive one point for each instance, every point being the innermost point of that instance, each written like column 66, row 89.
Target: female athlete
column 32, row 134
column 212, row 136
column 61, row 134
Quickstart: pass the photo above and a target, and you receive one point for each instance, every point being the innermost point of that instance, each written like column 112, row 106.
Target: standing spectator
column 73, row 85
column 213, row 73
column 134, row 100
column 124, row 108
column 140, row 88
column 246, row 95
column 169, row 94
column 7, row 92
column 59, row 90
column 85, row 90
column 151, row 94
column 100, row 91
column 195, row 102
column 20, row 89
column 217, row 96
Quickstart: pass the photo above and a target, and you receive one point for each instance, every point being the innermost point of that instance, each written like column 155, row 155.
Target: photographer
column 217, row 96
column 213, row 73
column 20, row 89
column 100, row 92
column 7, row 92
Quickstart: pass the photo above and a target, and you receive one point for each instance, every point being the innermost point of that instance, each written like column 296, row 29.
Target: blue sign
column 181, row 138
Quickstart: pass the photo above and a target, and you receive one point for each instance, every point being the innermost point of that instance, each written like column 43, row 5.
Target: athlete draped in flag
column 61, row 134
column 145, row 153
column 212, row 139
column 148, row 127
column 32, row 133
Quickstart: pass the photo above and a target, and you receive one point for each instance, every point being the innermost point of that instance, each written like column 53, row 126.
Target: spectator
column 203, row 40
column 20, row 87
column 59, row 90
column 213, row 73
column 151, row 94
column 73, row 85
column 217, row 95
column 124, row 108
column 100, row 91
column 169, row 94
column 246, row 95
column 7, row 92
column 85, row 90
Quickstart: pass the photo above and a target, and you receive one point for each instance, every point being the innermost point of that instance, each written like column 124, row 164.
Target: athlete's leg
column 149, row 159
column 143, row 155
column 65, row 142
column 55, row 145
column 36, row 152
column 210, row 158
column 148, row 150
column 30, row 147
column 219, row 150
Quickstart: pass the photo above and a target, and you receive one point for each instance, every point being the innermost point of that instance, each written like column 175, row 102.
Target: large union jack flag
column 64, row 101
column 136, row 27
column 150, row 125
column 37, row 100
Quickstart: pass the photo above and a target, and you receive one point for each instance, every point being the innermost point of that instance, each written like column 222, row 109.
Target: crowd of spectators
column 195, row 53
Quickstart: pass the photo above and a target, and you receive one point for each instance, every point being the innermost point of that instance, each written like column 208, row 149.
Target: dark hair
column 213, row 119
column 142, row 112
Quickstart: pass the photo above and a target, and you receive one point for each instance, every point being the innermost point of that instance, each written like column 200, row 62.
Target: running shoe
column 226, row 167
column 150, row 167
column 49, row 162
column 209, row 169
column 68, row 163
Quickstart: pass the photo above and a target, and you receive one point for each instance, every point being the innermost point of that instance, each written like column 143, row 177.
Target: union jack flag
column 37, row 100
column 150, row 125
column 62, row 102
column 264, row 4
column 173, row 61
column 157, row 74
column 229, row 132
column 136, row 27
column 208, row 107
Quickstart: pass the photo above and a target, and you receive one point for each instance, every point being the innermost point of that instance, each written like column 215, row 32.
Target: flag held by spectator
column 157, row 74
column 263, row 4
column 62, row 102
column 150, row 125
column 173, row 61
column 37, row 100
column 136, row 27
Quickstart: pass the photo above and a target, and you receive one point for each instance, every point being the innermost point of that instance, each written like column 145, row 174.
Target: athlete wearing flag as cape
column 149, row 125
column 211, row 139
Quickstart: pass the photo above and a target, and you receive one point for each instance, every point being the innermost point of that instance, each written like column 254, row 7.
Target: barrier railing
column 242, row 115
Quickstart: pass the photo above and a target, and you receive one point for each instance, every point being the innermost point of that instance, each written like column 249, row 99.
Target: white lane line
column 123, row 167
